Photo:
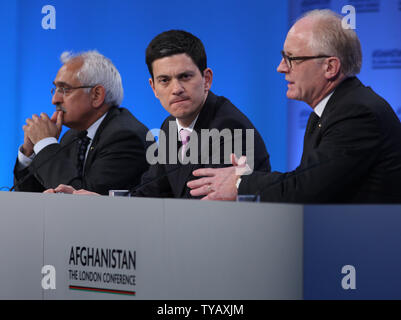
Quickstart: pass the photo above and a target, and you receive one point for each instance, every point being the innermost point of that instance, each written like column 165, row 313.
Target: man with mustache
column 105, row 147
column 352, row 144
column 181, row 80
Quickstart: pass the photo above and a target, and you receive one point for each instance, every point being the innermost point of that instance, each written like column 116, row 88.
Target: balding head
column 326, row 36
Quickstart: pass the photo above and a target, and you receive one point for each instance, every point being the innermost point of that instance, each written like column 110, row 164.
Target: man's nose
column 178, row 88
column 57, row 98
column 283, row 67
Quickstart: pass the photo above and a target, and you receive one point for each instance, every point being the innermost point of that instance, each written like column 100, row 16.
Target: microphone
column 80, row 135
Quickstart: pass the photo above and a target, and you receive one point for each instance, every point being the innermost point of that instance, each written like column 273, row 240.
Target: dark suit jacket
column 354, row 156
column 116, row 158
column 169, row 179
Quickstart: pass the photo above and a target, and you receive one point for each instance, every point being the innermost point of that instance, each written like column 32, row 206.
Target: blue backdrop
column 242, row 40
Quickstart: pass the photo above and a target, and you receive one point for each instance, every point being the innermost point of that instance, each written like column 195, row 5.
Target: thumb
column 59, row 122
column 234, row 160
column 54, row 117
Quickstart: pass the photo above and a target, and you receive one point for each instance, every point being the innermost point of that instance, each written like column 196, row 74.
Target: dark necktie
column 309, row 140
column 82, row 146
column 312, row 123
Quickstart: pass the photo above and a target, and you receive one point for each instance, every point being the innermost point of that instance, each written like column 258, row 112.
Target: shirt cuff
column 23, row 160
column 238, row 182
column 43, row 144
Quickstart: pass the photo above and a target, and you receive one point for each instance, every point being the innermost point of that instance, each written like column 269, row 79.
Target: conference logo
column 102, row 270
column 366, row 6
column 386, row 59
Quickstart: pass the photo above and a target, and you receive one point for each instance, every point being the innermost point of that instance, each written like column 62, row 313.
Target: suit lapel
column 92, row 149
column 178, row 181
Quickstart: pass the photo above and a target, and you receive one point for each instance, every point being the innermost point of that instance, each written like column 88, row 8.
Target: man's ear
column 332, row 68
column 98, row 94
column 152, row 85
column 208, row 76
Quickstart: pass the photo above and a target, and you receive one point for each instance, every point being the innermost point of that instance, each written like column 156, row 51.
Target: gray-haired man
column 106, row 146
column 352, row 144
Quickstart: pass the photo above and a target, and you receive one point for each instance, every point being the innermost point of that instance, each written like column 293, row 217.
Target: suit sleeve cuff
column 43, row 144
column 23, row 160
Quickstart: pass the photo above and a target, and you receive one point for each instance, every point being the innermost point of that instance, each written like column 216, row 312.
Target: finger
column 242, row 161
column 35, row 117
column 65, row 189
column 44, row 116
column 234, row 160
column 59, row 122
column 199, row 183
column 54, row 117
column 199, row 192
column 207, row 172
column 86, row 192
column 49, row 191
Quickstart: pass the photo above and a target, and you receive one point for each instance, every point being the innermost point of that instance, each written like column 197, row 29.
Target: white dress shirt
column 318, row 110
column 190, row 128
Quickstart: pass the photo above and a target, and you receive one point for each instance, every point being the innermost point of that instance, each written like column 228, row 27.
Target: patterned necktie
column 184, row 134
column 82, row 146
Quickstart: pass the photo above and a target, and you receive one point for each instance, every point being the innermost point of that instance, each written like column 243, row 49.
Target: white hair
column 330, row 38
column 98, row 70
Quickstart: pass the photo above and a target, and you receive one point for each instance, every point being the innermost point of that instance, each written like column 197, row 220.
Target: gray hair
column 98, row 70
column 330, row 38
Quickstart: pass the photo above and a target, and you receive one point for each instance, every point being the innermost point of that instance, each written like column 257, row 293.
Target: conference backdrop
column 242, row 39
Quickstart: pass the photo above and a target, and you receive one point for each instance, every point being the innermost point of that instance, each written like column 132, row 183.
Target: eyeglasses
column 288, row 60
column 67, row 90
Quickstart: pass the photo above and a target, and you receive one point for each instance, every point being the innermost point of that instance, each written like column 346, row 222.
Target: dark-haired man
column 181, row 81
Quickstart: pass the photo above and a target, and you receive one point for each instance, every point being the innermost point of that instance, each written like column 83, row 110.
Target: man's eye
column 63, row 90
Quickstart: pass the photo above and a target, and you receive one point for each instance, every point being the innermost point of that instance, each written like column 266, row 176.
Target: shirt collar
column 322, row 104
column 93, row 128
column 190, row 128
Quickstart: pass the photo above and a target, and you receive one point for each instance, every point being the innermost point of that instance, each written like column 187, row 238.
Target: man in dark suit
column 181, row 81
column 352, row 144
column 106, row 146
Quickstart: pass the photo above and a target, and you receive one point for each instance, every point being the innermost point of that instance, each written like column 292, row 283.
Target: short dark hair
column 174, row 42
